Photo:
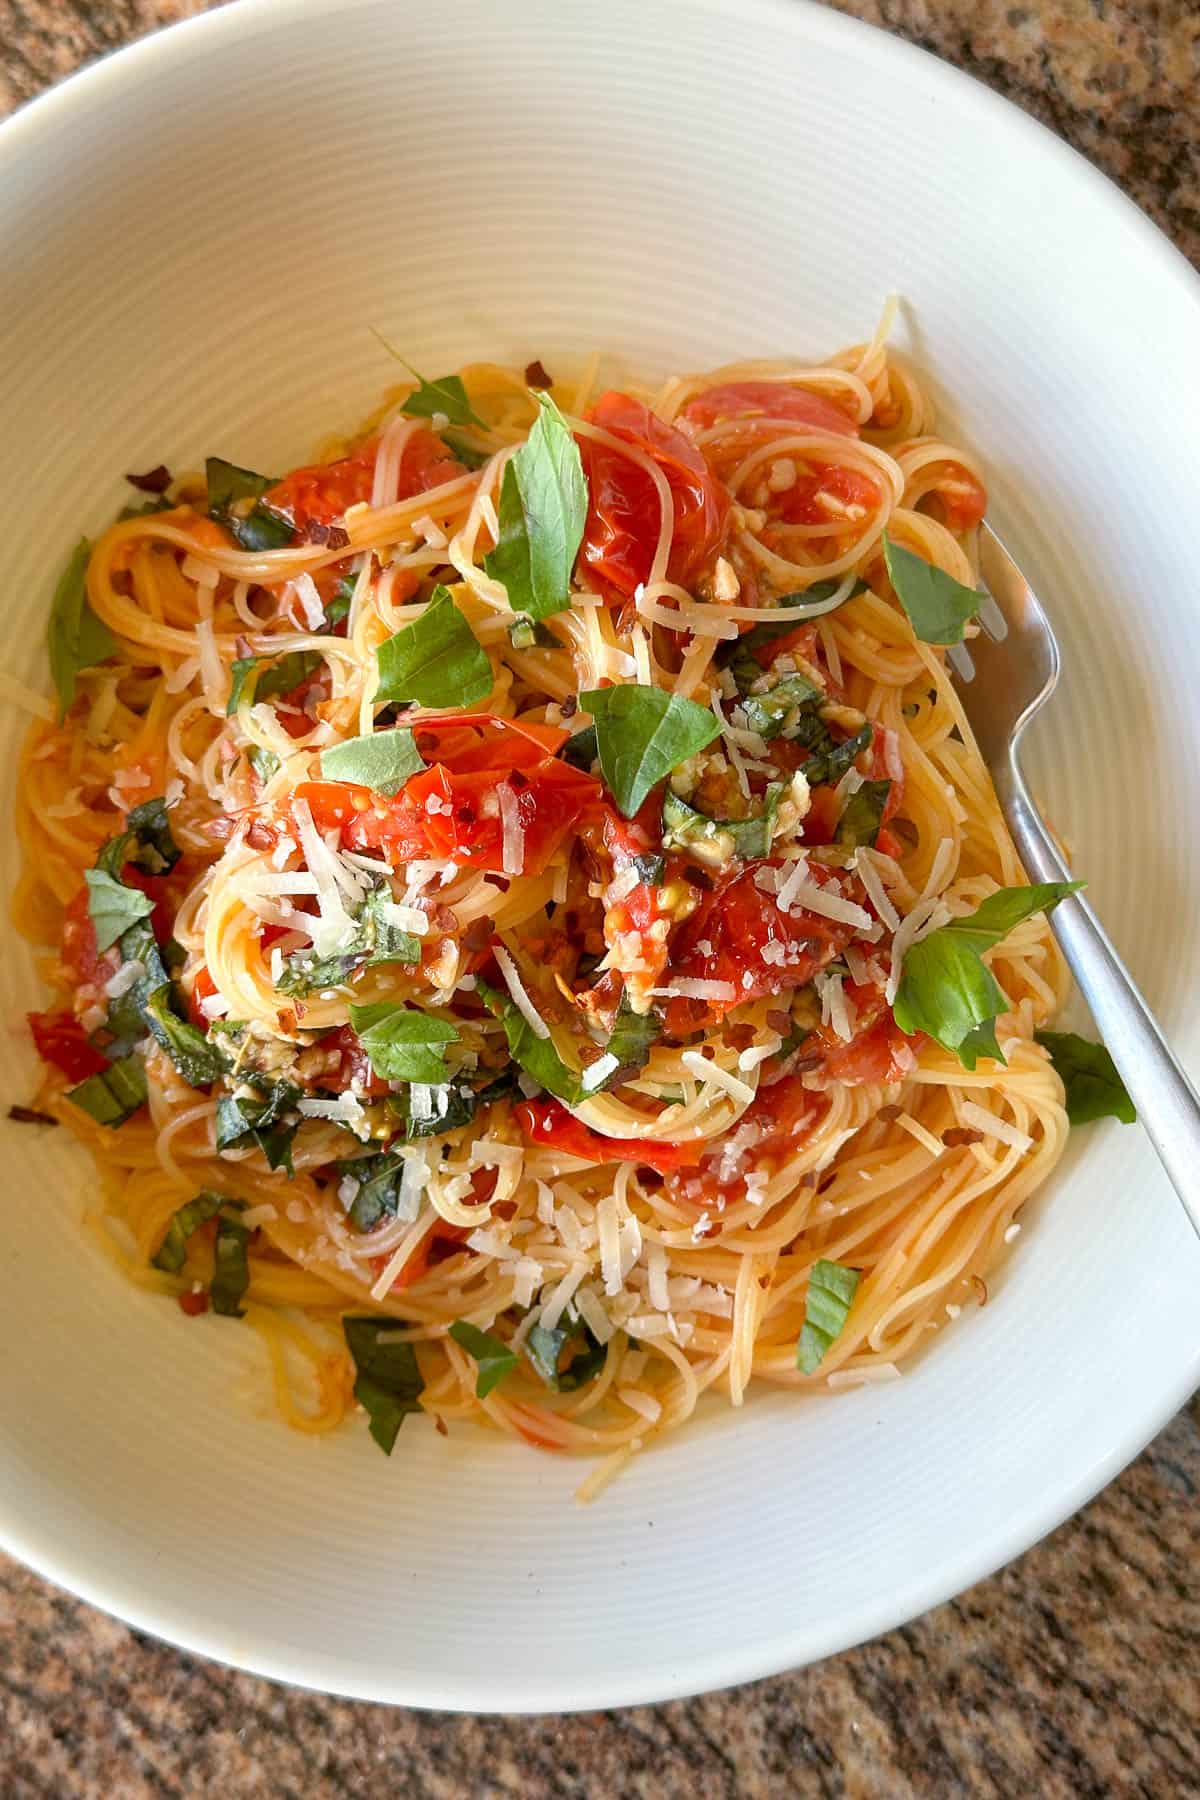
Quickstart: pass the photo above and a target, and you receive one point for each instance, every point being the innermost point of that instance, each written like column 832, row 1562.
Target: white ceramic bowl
column 197, row 236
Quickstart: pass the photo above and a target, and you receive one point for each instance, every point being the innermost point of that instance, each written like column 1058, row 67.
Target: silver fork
column 1006, row 674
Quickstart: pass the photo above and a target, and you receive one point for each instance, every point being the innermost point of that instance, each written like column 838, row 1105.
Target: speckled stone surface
column 1076, row 1672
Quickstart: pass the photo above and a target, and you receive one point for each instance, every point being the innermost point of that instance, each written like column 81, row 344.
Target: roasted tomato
column 625, row 511
column 61, row 1041
column 547, row 1122
column 324, row 492
column 770, row 400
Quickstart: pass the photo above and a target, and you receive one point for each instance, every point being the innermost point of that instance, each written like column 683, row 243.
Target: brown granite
column 1076, row 1672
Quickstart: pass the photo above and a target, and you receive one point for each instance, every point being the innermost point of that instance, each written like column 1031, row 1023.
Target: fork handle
column 1166, row 1101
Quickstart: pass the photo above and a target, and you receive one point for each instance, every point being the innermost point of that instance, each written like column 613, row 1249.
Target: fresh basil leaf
column 403, row 1043
column 544, row 1350
column 862, row 815
column 527, row 634
column 389, row 1380
column 437, row 660
column 642, row 733
column 157, row 503
column 494, row 1357
column 542, row 513
column 199, row 1062
column 113, row 907
column 75, row 638
column 125, row 1022
column 937, row 606
column 257, row 527
column 452, row 1106
column 114, row 1095
column 580, row 749
column 383, row 761
column 768, row 714
column 231, row 1268
column 469, row 455
column 377, row 1195
column 630, row 1039
column 446, row 395
column 831, row 764
column 375, row 941
column 338, row 605
column 537, row 1056
column 685, row 828
column 831, row 1291
column 267, row 676
column 1094, row 1088
column 154, row 850
column 265, row 763
column 265, row 1121
column 946, row 990
column 172, row 1252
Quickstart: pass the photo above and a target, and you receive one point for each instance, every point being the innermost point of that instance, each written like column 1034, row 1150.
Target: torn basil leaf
column 114, row 1095
column 769, row 714
column 375, row 941
column 75, row 638
column 542, row 513
column 389, row 1380
column 265, row 763
column 580, row 749
column 545, row 1351
column 947, row 990
column 263, row 677
column 265, row 1116
column 197, row 1060
column 255, row 526
column 383, row 761
column 1094, row 1087
column 831, row 1291
column 862, row 815
column 437, row 660
column 494, row 1357
column 337, row 607
column 642, row 733
column 630, row 1041
column 446, row 395
column 404, row 1043
column 937, row 606
column 172, row 1252
column 377, row 1188
column 537, row 1056
column 684, row 828
column 154, row 849
column 231, row 1268
column 831, row 764
column 113, row 907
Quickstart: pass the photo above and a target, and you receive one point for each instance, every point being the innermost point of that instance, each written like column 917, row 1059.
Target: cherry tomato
column 801, row 505
column 61, row 1041
column 203, row 988
column 80, row 957
column 870, row 1054
column 772, row 400
column 624, row 510
column 324, row 492
column 960, row 511
column 548, row 1122
column 739, row 936
column 353, row 1067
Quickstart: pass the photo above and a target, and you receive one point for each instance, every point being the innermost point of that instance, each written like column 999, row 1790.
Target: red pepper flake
column 338, row 537
column 28, row 1115
column 569, row 707
column 804, row 1065
column 698, row 877
column 154, row 481
column 536, row 376
column 739, row 1036
column 443, row 1430
column 193, row 1303
column 780, row 1022
column 122, row 583
column 260, row 836
column 517, row 782
column 980, row 1287
column 316, row 532
column 465, row 815
column 958, row 1136
column 889, row 1113
column 809, row 1180
column 478, row 935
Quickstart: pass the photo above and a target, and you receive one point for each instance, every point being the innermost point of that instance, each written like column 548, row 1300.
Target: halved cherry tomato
column 469, row 741
column 801, row 505
column 456, row 818
column 883, row 754
column 324, row 492
column 777, row 1121
column 870, row 1053
column 203, row 988
column 61, row 1041
column 80, row 957
column 961, row 510
column 442, row 1239
column 624, row 510
column 772, row 400
column 738, row 935
column 353, row 1067
column 547, row 1122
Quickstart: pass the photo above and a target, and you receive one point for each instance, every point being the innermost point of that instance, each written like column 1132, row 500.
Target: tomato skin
column 799, row 504
column 962, row 511
column 739, row 924
column 323, row 493
column 549, row 1123
column 80, row 957
column 870, row 1054
column 193, row 1304
column 624, row 510
column 203, row 988
column 61, row 1041
column 783, row 1114
column 768, row 399
column 353, row 1068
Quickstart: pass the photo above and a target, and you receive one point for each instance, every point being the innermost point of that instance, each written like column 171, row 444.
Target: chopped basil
column 437, row 660
column 494, row 1357
column 537, row 1056
column 862, row 814
column 543, row 509
column 256, row 527
column 630, row 1040
column 738, row 655
column 451, row 1106
column 338, row 605
column 231, row 1268
column 831, row 764
column 580, row 749
column 404, row 1043
column 265, row 763
column 125, row 1021
column 686, row 828
column 650, row 868
column 382, row 761
column 1094, row 1088
column 545, row 1349
column 114, row 1095
column 264, row 1121
column 266, row 676
column 154, row 849
column 172, row 1252
column 831, row 1291
column 642, row 733
column 199, row 1062
column 768, row 714
column 446, row 395
column 113, row 907
column 75, row 638
column 937, row 606
column 389, row 1379
column 946, row 989
column 375, row 941
column 377, row 1195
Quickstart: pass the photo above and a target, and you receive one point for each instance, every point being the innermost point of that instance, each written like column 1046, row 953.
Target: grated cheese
column 656, row 1278
column 598, row 1072
column 979, row 1119
column 608, row 1232
column 696, row 990
column 310, row 601
column 706, row 1070
column 512, row 855
column 521, row 1000
column 827, row 904
column 867, row 871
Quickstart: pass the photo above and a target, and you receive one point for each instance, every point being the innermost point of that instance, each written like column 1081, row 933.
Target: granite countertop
column 1075, row 1672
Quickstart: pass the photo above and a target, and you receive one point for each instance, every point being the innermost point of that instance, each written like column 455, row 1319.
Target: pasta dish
column 532, row 933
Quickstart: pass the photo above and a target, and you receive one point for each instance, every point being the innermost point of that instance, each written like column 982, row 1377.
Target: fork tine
column 961, row 661
column 993, row 620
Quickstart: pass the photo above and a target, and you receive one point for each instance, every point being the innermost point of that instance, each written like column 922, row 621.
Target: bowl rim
column 99, row 84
